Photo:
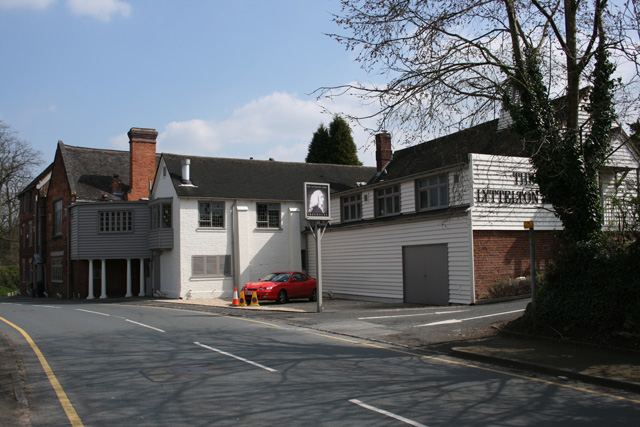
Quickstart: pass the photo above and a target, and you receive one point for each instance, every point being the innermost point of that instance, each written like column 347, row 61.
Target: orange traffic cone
column 242, row 302
column 235, row 301
column 254, row 300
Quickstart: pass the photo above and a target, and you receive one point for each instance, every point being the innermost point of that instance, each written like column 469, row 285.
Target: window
column 211, row 265
column 268, row 215
column 433, row 193
column 57, row 218
column 115, row 221
column 351, row 207
column 211, row 214
column 56, row 269
column 161, row 216
column 388, row 201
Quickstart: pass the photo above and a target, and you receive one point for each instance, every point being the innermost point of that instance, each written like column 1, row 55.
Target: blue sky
column 215, row 78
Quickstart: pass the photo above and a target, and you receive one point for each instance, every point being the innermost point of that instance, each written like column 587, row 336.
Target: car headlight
column 268, row 288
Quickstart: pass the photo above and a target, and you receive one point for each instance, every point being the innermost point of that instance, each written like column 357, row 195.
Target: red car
column 282, row 286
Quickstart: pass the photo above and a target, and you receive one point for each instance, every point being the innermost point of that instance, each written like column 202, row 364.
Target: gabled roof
column 37, row 180
column 90, row 171
column 259, row 179
column 452, row 149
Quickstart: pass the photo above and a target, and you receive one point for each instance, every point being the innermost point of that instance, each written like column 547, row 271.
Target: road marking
column 93, row 312
column 387, row 413
column 48, row 306
column 242, row 359
column 411, row 315
column 142, row 324
column 450, row 321
column 72, row 415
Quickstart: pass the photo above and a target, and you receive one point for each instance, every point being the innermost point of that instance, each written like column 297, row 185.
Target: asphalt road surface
column 126, row 365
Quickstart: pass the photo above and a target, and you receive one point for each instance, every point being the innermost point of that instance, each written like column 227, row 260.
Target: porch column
column 90, row 296
column 129, row 294
column 141, row 293
column 104, row 279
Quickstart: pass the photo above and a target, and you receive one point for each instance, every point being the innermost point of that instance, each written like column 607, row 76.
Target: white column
column 104, row 279
column 90, row 296
column 129, row 294
column 141, row 293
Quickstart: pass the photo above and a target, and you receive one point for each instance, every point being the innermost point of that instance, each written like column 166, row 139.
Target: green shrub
column 9, row 279
column 592, row 288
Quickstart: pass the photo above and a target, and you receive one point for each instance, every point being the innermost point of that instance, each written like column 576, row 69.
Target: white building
column 219, row 223
column 441, row 221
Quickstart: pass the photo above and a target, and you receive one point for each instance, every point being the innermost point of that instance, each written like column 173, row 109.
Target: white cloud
column 119, row 142
column 102, row 10
column 279, row 125
column 26, row 4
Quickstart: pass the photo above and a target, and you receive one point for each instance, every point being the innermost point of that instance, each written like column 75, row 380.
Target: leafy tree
column 334, row 145
column 452, row 62
column 17, row 163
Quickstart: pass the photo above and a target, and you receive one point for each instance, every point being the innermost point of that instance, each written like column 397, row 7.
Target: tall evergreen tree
column 334, row 145
column 319, row 146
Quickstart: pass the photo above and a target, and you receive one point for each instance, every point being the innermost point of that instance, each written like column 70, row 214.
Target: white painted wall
column 493, row 211
column 366, row 262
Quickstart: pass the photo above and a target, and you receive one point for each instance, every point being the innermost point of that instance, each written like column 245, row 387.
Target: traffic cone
column 242, row 302
column 235, row 301
column 254, row 300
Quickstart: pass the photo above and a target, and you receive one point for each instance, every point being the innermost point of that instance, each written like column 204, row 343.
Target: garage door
column 426, row 274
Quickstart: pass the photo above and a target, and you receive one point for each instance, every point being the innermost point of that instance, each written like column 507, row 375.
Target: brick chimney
column 383, row 149
column 143, row 161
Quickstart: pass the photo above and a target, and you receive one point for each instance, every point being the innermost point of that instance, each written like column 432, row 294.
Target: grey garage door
column 426, row 274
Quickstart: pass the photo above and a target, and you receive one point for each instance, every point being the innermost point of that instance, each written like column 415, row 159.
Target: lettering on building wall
column 521, row 196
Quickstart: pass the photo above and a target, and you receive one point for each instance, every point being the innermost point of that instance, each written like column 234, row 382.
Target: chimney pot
column 186, row 172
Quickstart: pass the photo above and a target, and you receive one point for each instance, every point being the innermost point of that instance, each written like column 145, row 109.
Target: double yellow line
column 74, row 419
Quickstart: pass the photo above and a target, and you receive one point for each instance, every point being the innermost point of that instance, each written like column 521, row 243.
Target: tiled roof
column 90, row 171
column 259, row 179
column 451, row 150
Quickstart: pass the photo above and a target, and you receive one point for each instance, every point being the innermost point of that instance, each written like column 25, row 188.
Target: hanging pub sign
column 316, row 201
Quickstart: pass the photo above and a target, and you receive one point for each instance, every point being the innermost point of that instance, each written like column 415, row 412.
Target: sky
column 215, row 78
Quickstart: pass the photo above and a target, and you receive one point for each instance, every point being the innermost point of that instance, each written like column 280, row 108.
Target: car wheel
column 282, row 297
column 314, row 296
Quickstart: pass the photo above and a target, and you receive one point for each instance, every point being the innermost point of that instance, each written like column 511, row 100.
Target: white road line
column 92, row 312
column 142, row 324
column 242, row 359
column 447, row 322
column 411, row 315
column 48, row 306
column 387, row 413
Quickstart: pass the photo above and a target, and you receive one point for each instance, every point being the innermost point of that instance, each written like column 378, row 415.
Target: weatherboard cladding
column 259, row 179
column 88, row 243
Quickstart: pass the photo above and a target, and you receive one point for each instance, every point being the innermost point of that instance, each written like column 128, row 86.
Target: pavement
column 566, row 360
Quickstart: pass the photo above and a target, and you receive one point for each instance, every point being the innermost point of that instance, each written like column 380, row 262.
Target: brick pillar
column 383, row 150
column 143, row 161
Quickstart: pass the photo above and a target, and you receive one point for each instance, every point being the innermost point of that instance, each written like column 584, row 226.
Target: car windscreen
column 284, row 277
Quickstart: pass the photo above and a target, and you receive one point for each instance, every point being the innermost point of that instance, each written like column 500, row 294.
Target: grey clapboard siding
column 88, row 243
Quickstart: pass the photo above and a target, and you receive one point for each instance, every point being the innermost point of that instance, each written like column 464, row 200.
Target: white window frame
column 115, row 221
column 388, row 197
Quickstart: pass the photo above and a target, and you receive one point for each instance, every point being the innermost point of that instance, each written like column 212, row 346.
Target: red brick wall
column 58, row 190
column 501, row 255
column 143, row 161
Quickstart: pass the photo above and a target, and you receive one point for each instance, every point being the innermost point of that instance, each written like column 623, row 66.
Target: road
column 128, row 365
